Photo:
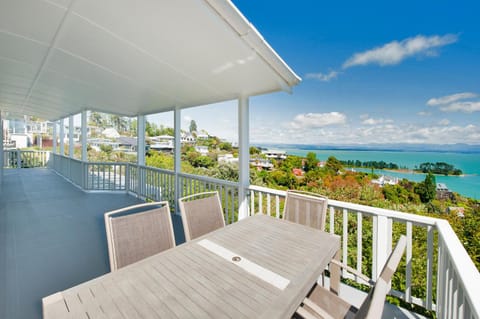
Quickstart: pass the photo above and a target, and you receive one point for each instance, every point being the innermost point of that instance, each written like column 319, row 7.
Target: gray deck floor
column 52, row 237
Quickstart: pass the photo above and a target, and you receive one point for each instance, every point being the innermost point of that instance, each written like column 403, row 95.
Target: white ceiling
column 130, row 57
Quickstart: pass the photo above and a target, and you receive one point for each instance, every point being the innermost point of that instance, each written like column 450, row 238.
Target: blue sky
column 372, row 72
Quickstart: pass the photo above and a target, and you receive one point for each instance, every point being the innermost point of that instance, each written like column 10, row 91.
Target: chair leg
column 335, row 274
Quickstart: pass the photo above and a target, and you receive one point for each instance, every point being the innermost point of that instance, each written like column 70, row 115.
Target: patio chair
column 322, row 303
column 201, row 214
column 138, row 231
column 306, row 208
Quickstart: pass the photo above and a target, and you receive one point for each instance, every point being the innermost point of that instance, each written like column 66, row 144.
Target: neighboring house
column 228, row 159
column 459, row 211
column 163, row 143
column 203, row 150
column 110, row 133
column 261, row 163
column 96, row 143
column 443, row 192
column 275, row 154
column 385, row 180
column 187, row 138
column 126, row 144
column 297, row 172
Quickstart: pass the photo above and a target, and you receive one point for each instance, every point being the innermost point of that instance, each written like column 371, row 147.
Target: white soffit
column 59, row 57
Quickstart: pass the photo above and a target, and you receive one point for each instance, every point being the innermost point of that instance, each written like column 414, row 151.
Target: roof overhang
column 60, row 57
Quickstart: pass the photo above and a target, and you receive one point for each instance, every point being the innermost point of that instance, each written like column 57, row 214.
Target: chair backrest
column 138, row 231
column 306, row 208
column 372, row 307
column 201, row 214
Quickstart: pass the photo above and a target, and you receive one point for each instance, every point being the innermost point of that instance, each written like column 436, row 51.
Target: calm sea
column 467, row 185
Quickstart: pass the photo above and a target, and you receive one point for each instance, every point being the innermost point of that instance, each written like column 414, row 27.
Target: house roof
column 60, row 57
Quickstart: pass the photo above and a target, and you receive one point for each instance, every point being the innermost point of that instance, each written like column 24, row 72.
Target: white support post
column 141, row 140
column 177, row 126
column 54, row 137
column 71, row 131
column 382, row 240
column 62, row 137
column 84, row 136
column 244, row 156
column 2, row 159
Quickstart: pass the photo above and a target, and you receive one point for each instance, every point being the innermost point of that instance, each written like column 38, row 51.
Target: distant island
column 438, row 168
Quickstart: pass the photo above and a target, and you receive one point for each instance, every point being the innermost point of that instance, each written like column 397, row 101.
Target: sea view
column 466, row 185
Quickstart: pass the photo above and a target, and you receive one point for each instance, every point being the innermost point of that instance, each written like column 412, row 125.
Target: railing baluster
column 345, row 240
column 268, row 205
column 260, row 203
column 359, row 242
column 252, row 202
column 332, row 220
column 408, row 268
column 277, row 206
column 429, row 295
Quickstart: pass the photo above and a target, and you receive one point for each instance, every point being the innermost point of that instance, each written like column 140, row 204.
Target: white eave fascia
column 248, row 33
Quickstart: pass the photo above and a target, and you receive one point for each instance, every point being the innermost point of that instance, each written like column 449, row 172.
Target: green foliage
column 439, row 168
column 333, row 164
column 283, row 178
column 311, row 162
column 106, row 148
column 370, row 164
column 254, row 150
column 225, row 146
column 426, row 189
column 160, row 160
column 193, row 126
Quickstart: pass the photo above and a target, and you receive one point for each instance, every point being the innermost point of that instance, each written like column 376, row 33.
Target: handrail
column 468, row 274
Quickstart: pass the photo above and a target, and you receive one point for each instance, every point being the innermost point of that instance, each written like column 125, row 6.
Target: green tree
column 311, row 162
column 97, row 119
column 427, row 189
column 193, row 126
column 225, row 146
column 333, row 164
column 254, row 150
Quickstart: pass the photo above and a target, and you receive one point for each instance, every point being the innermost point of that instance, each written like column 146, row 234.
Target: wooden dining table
column 259, row 267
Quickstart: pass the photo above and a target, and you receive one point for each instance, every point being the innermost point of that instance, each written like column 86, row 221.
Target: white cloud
column 317, row 120
column 466, row 107
column 434, row 133
column 450, row 98
column 444, row 122
column 372, row 121
column 424, row 113
column 321, row 76
column 395, row 52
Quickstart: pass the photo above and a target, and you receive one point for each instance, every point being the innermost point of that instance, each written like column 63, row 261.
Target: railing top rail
column 104, row 163
column 418, row 219
column 268, row 190
column 464, row 267
column 210, row 179
column 160, row 170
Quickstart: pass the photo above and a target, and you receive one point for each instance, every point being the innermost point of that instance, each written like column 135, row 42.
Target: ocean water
column 467, row 185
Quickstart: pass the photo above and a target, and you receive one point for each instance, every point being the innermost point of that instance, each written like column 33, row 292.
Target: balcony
column 52, row 227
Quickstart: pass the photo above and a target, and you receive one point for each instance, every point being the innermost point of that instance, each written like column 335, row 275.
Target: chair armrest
column 353, row 271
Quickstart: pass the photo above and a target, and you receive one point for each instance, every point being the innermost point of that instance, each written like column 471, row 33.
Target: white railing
column 448, row 282
column 456, row 291
column 25, row 159
column 228, row 191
